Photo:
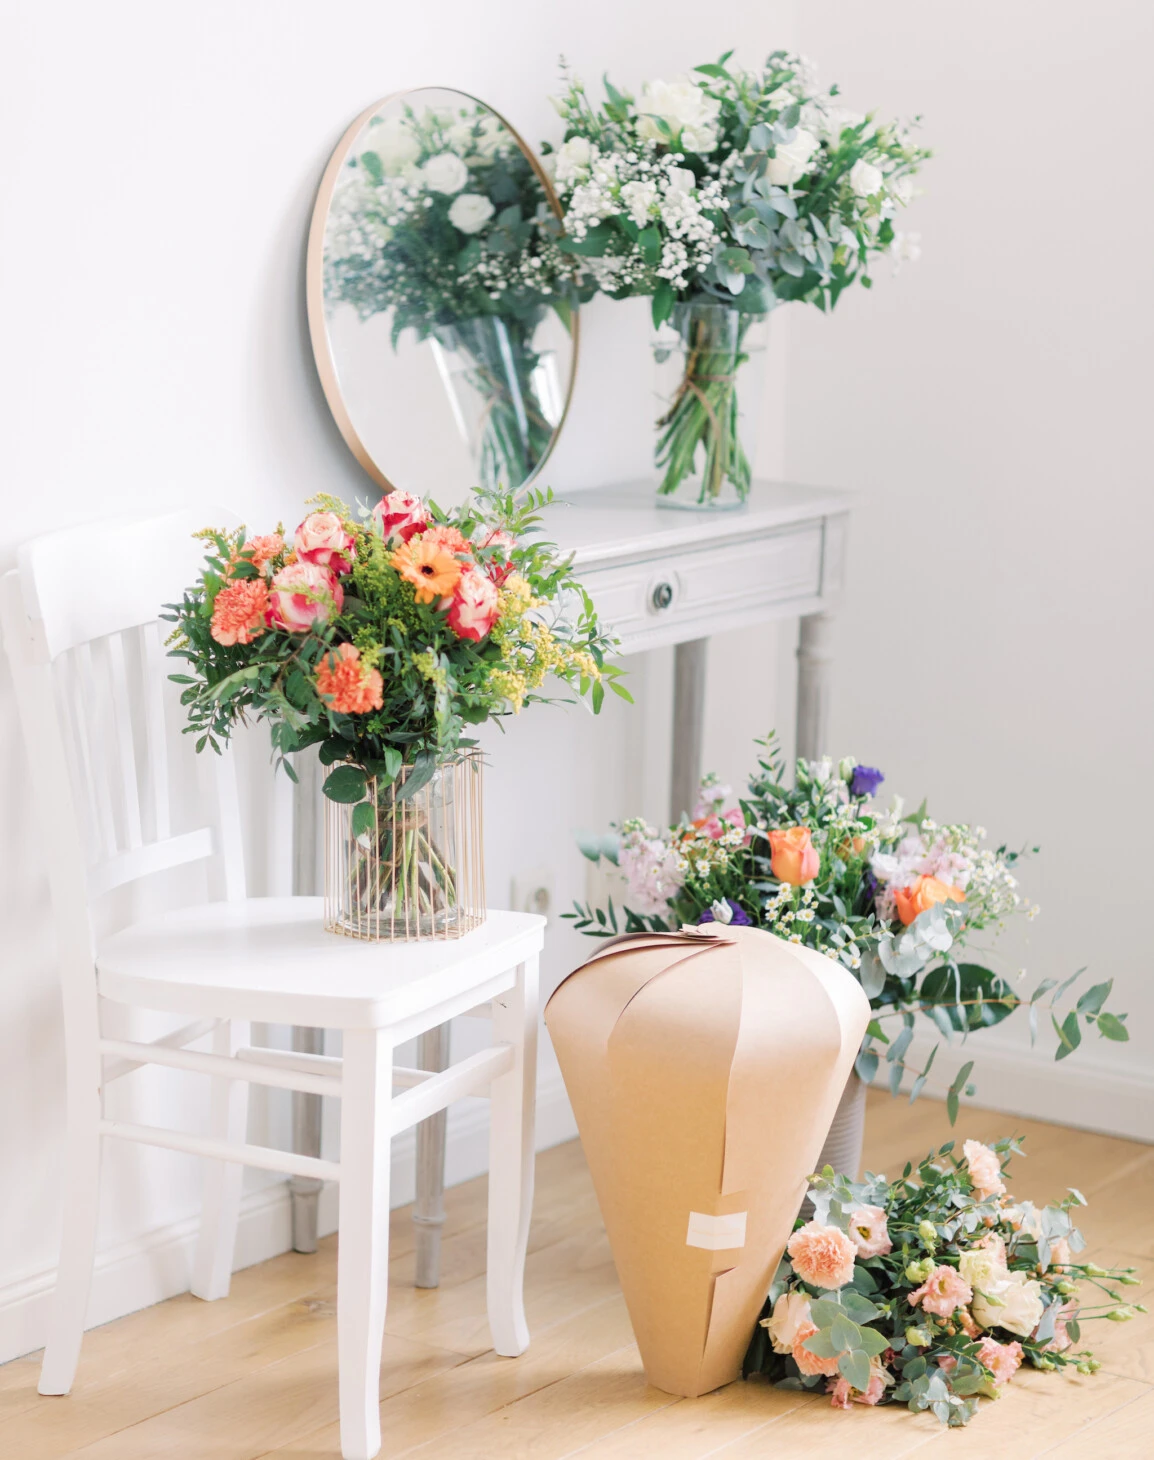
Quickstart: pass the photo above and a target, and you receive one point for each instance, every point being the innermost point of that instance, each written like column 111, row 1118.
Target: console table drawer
column 664, row 598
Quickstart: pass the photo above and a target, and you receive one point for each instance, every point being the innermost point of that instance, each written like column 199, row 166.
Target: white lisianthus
column 792, row 160
column 906, row 248
column 834, row 122
column 574, row 159
column 903, row 189
column 394, row 142
column 780, row 99
column 790, row 1314
column 1015, row 1304
column 686, row 110
column 865, row 179
column 983, row 1269
column 470, row 212
column 445, row 173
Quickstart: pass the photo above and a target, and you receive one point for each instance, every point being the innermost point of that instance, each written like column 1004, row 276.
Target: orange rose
column 795, row 859
column 923, row 894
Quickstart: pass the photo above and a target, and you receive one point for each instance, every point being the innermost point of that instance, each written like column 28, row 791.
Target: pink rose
column 943, row 1292
column 497, row 567
column 303, row 594
column 985, row 1170
column 822, row 1256
column 473, row 610
column 322, row 539
column 400, row 515
column 868, row 1232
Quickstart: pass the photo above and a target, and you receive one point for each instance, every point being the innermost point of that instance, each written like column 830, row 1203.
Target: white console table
column 657, row 577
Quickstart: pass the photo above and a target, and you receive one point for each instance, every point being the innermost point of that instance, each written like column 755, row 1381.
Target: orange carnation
column 447, row 537
column 922, row 894
column 432, row 570
column 238, row 611
column 261, row 549
column 795, row 858
column 349, row 686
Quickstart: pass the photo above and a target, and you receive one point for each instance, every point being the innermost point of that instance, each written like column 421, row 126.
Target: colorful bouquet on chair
column 897, row 898
column 931, row 1290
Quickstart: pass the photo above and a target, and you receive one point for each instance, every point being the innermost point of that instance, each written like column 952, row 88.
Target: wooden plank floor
column 255, row 1374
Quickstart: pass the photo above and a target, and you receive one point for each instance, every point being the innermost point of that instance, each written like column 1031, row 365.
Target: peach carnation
column 943, row 1292
column 822, row 1256
column 1002, row 1359
column 810, row 1363
column 259, row 550
column 985, row 1169
column 238, row 611
column 432, row 571
column 350, row 687
column 868, row 1232
column 452, row 539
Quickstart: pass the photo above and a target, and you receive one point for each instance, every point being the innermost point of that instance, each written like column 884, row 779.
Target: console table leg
column 814, row 672
column 429, row 1209
column 688, row 721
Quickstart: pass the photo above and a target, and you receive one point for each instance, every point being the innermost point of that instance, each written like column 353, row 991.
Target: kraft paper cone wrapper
column 704, row 1069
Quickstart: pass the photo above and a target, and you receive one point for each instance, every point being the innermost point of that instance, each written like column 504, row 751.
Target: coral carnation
column 449, row 538
column 822, row 1256
column 259, row 550
column 429, row 568
column 238, row 612
column 943, row 1292
column 810, row 1363
column 350, row 687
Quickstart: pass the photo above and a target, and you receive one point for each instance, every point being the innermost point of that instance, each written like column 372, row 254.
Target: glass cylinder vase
column 406, row 863
column 710, row 361
column 506, row 397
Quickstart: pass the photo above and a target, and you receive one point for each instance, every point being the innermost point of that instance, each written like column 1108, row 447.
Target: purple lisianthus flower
column 865, row 780
column 737, row 915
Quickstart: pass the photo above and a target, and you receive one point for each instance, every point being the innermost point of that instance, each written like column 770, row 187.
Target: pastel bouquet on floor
column 383, row 640
column 932, row 1290
column 721, row 195
column 902, row 901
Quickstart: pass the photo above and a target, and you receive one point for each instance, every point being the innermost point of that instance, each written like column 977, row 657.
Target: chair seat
column 269, row 959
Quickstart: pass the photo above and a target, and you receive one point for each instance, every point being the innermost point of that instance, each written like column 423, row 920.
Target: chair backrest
column 80, row 618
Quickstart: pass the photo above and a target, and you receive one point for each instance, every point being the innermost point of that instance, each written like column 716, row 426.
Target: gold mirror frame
column 314, row 279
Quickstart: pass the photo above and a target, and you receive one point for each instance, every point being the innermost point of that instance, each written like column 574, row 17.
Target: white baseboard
column 157, row 1265
column 1077, row 1091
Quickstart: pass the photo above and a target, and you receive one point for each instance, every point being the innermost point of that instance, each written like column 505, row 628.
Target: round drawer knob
column 662, row 596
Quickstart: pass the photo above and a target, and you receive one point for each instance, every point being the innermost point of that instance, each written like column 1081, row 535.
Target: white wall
column 992, row 405
column 158, row 167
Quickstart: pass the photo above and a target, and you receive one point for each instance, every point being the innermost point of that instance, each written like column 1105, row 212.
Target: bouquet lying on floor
column 899, row 899
column 932, row 1290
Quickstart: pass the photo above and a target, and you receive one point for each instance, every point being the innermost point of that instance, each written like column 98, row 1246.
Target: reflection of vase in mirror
column 447, row 332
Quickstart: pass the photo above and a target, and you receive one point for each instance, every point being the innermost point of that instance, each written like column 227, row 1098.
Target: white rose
column 470, row 212
column 685, row 108
column 865, row 178
column 574, row 159
column 792, row 160
column 834, row 122
column 394, row 142
column 445, row 173
column 1015, row 1304
column 790, row 1313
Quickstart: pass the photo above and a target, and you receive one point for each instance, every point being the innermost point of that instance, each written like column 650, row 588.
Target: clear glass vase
column 506, row 396
column 710, row 361
column 407, row 863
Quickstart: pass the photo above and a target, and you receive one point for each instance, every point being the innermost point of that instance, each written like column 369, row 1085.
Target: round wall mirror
column 442, row 311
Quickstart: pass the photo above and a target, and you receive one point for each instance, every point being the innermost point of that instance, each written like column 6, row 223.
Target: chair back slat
column 121, row 725
column 85, row 691
column 153, row 675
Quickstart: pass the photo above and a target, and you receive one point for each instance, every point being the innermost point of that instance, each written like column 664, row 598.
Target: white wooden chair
column 79, row 617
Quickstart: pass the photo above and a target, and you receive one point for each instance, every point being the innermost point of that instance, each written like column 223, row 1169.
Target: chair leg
column 216, row 1243
column 511, row 1162
column 363, row 1239
column 81, row 1209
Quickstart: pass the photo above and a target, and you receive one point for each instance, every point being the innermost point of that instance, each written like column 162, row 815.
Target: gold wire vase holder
column 415, row 871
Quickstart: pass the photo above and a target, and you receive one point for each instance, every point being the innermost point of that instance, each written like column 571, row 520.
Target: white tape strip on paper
column 716, row 1234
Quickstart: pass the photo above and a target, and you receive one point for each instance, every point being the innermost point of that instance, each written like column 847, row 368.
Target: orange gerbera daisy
column 238, row 611
column 432, row 571
column 349, row 686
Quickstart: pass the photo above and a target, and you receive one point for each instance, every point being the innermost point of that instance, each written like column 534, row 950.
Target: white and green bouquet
column 440, row 218
column 722, row 195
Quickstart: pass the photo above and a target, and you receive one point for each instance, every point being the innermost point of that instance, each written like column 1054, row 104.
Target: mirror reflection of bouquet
column 439, row 217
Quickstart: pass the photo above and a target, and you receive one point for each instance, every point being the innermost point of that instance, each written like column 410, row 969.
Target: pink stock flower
column 985, row 1169
column 474, row 605
column 322, row 539
column 943, row 1292
column 303, row 594
column 822, row 1256
column 868, row 1232
column 400, row 515
column 1002, row 1359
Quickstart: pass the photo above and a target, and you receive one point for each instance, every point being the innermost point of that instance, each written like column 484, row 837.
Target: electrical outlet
column 532, row 891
